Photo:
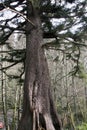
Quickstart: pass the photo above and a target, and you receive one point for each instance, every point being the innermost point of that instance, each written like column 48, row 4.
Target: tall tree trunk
column 39, row 112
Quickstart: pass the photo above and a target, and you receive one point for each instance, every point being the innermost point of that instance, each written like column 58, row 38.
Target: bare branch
column 17, row 12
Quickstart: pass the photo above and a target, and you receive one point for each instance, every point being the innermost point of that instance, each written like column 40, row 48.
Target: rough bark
column 39, row 112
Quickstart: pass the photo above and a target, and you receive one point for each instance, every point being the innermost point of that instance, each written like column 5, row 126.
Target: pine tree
column 39, row 111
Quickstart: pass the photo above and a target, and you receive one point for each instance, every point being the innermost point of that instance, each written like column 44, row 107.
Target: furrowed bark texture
column 39, row 112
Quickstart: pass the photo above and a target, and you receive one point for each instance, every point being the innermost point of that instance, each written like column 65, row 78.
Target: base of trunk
column 40, row 119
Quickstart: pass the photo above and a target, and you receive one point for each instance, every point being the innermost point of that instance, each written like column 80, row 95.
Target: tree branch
column 17, row 12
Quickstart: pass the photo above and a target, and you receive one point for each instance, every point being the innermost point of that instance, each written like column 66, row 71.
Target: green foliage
column 82, row 73
column 83, row 126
